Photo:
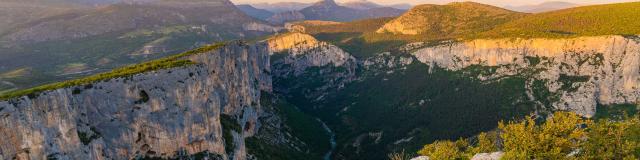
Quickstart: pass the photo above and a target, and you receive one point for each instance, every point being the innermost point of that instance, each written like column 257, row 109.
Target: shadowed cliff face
column 580, row 72
column 208, row 108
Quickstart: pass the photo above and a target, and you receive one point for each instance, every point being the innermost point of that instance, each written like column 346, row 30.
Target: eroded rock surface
column 581, row 72
column 207, row 108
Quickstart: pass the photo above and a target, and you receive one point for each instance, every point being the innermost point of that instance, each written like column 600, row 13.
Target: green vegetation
column 86, row 138
column 229, row 124
column 408, row 103
column 563, row 136
column 144, row 97
column 608, row 19
column 303, row 126
column 359, row 26
column 533, row 61
column 262, row 150
column 47, row 60
column 568, row 82
column 468, row 20
column 453, row 20
column 357, row 37
column 162, row 63
column 542, row 94
column 616, row 111
column 183, row 155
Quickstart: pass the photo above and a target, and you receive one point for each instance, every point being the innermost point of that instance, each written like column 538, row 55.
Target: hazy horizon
column 414, row 2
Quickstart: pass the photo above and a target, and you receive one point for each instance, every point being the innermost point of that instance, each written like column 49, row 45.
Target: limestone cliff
column 206, row 109
column 291, row 41
column 299, row 55
column 303, row 51
column 581, row 72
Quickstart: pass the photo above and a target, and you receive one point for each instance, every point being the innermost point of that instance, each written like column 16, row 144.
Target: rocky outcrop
column 322, row 54
column 488, row 156
column 292, row 41
column 254, row 26
column 421, row 158
column 581, row 72
column 206, row 109
column 302, row 56
column 303, row 51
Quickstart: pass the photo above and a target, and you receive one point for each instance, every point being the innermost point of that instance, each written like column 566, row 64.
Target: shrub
column 563, row 136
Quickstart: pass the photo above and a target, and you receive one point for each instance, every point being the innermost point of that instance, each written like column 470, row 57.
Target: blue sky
column 492, row 2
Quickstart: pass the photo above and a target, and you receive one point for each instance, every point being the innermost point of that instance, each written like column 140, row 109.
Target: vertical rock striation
column 207, row 109
column 583, row 72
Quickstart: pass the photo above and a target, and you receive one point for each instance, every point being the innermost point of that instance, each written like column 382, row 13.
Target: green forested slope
column 609, row 19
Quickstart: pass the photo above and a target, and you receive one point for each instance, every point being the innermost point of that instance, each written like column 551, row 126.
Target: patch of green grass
column 162, row 63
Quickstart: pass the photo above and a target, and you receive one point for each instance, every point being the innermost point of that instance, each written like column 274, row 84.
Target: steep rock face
column 291, row 41
column 304, row 51
column 581, row 72
column 322, row 54
column 165, row 113
column 303, row 57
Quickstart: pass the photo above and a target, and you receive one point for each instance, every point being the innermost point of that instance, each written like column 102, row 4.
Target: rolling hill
column 14, row 13
column 581, row 21
column 329, row 10
column 255, row 12
column 451, row 20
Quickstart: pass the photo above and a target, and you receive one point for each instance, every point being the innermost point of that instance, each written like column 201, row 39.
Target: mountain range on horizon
column 542, row 7
column 327, row 10
column 277, row 7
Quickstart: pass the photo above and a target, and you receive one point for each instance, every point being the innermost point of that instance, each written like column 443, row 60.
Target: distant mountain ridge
column 255, row 12
column 281, row 6
column 361, row 4
column 543, row 7
column 366, row 4
column 331, row 11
